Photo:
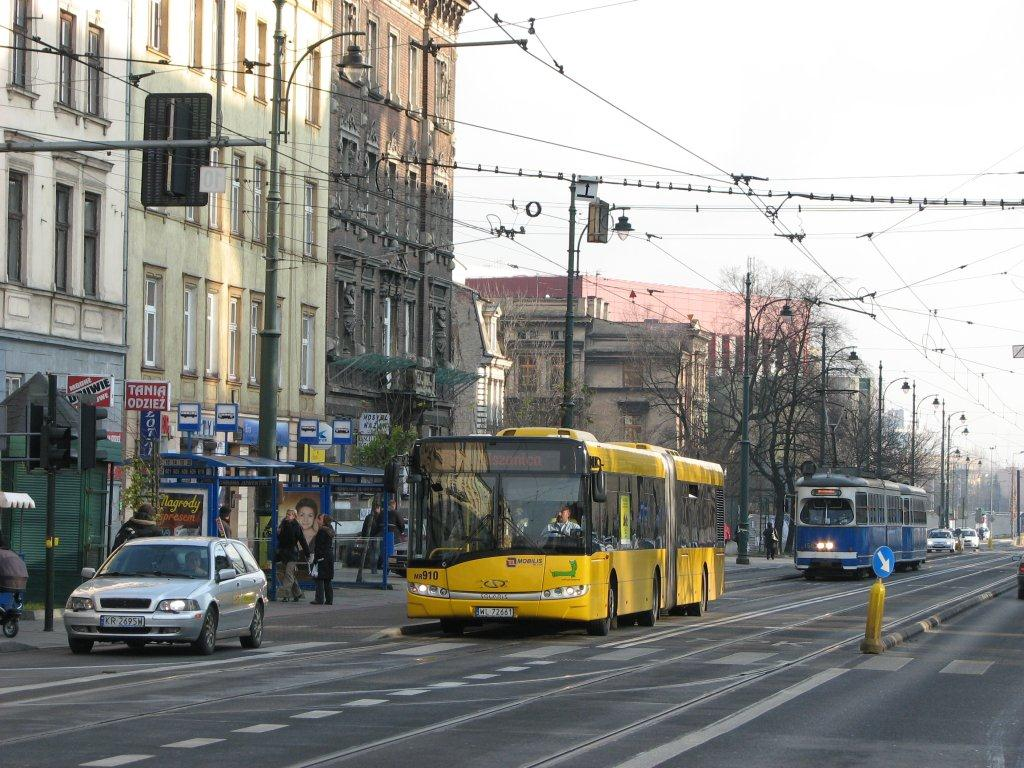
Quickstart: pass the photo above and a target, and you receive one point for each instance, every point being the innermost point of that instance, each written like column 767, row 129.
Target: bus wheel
column 601, row 627
column 650, row 617
column 809, row 575
column 452, row 627
column 699, row 609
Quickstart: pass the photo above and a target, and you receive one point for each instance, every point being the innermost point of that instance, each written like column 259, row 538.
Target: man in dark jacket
column 290, row 541
column 323, row 561
column 143, row 523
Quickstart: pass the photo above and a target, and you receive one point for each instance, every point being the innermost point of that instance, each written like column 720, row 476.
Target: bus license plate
column 122, row 621
column 495, row 613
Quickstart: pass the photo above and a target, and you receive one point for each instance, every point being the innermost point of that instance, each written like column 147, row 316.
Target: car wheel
column 601, row 627
column 10, row 627
column 649, row 617
column 255, row 637
column 206, row 643
column 78, row 645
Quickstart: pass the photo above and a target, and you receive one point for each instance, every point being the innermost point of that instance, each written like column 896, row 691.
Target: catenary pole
column 743, row 529
column 570, row 289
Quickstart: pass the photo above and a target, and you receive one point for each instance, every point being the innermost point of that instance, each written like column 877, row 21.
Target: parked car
column 970, row 539
column 170, row 589
column 940, row 540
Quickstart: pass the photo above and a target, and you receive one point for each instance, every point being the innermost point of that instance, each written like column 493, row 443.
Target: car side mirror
column 226, row 574
column 88, row 573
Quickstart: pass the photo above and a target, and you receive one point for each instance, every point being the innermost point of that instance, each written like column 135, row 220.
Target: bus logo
column 495, row 583
column 570, row 574
column 510, row 562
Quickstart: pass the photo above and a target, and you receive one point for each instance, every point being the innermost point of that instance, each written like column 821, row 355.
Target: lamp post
column 944, row 462
column 913, row 432
column 270, row 337
column 622, row 228
column 881, row 407
column 742, row 529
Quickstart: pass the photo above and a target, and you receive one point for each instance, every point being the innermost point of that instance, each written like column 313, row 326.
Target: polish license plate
column 495, row 613
column 122, row 621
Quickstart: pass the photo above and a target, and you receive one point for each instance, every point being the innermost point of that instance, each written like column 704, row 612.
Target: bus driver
column 564, row 525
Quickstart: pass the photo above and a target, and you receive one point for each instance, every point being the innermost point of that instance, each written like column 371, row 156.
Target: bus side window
column 862, row 508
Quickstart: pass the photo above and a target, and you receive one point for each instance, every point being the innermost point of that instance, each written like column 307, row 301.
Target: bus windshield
column 826, row 512
column 495, row 513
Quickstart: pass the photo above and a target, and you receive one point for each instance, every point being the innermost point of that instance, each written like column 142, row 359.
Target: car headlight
column 79, row 604
column 430, row 590
column 561, row 593
column 177, row 606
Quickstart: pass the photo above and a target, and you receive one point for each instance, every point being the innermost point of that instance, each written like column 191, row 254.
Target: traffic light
column 597, row 221
column 89, row 435
column 57, row 447
column 36, row 423
column 170, row 177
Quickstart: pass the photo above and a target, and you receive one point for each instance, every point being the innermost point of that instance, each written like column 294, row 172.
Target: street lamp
column 913, row 429
column 944, row 461
column 881, row 407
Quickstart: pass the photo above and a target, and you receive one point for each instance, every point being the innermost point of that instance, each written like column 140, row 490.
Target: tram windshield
column 821, row 511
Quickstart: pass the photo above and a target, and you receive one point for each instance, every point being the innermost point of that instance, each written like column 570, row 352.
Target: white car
column 941, row 540
column 970, row 538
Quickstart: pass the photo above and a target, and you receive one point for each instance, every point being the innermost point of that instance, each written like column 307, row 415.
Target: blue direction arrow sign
column 883, row 562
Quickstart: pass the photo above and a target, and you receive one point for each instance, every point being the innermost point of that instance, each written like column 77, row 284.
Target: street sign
column 225, row 417
column 586, row 187
column 309, row 432
column 147, row 396
column 190, row 416
column 99, row 387
column 324, row 434
column 1018, row 350
column 343, row 431
column 149, row 425
column 372, row 423
column 883, row 562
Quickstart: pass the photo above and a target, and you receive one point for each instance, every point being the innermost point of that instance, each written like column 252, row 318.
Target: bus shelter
column 348, row 494
column 191, row 485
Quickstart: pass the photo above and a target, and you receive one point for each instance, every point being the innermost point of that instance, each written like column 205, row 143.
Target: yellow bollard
column 991, row 541
column 872, row 642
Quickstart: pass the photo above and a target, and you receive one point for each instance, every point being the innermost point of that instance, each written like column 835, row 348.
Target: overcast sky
column 903, row 99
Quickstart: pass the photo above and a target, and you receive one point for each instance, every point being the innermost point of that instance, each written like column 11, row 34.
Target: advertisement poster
column 307, row 506
column 181, row 513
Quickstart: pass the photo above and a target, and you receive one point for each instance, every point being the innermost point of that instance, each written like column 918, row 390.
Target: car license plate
column 495, row 613
column 122, row 621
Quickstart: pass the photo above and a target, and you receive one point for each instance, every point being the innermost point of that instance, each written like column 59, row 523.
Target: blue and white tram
column 842, row 519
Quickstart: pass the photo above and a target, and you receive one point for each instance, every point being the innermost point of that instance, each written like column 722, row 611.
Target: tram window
column 819, row 511
column 862, row 508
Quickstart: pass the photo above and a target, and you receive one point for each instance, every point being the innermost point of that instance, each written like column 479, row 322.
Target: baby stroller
column 13, row 580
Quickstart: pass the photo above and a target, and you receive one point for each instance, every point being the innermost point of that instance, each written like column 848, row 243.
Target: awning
column 372, row 363
column 453, row 377
column 11, row 500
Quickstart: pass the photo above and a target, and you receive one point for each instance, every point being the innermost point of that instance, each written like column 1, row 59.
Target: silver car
column 941, row 540
column 170, row 589
column 970, row 538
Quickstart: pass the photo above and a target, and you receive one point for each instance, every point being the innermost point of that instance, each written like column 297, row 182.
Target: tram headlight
column 820, row 545
column 830, row 546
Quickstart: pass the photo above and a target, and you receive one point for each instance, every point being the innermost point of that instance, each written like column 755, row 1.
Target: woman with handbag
column 322, row 569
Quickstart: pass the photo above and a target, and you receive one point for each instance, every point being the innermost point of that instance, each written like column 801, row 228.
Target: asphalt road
column 772, row 676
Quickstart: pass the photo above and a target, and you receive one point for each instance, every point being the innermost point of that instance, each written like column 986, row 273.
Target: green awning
column 453, row 377
column 372, row 363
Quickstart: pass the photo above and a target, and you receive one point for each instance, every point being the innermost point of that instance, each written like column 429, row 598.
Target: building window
column 151, row 322
column 91, row 245
column 158, row 15
column 632, row 428
column 370, row 54
column 527, row 374
column 237, row 162
column 233, row 347
column 261, row 56
column 368, row 320
column 414, row 77
column 631, row 374
column 196, row 48
column 190, row 214
column 66, row 67
column 213, row 201
column 11, row 383
column 258, row 214
column 255, row 324
column 239, row 49
column 442, row 92
column 306, row 361
column 313, row 100
column 61, row 237
column 392, row 66
column 20, row 54
column 212, row 334
column 94, row 70
column 407, row 327
column 308, row 219
column 386, row 327
column 188, row 330
column 16, row 205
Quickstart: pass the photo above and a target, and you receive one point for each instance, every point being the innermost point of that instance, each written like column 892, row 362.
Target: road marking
column 513, row 669
column 743, row 657
column 423, row 650
column 539, row 663
column 961, row 667
column 288, row 647
column 625, row 654
column 409, row 692
column 541, row 652
column 113, row 762
column 454, row 684
column 481, row 676
column 261, row 728
column 674, row 748
column 365, row 702
column 885, row 663
column 315, row 714
column 191, row 743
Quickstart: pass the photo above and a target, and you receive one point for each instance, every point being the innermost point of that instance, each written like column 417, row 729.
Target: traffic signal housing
column 89, row 435
column 170, row 177
column 36, row 424
column 57, row 447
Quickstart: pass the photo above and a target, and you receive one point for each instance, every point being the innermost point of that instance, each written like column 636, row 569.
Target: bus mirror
column 599, row 487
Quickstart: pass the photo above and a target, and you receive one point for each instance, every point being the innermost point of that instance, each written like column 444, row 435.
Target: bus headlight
column 429, row 590
column 562, row 593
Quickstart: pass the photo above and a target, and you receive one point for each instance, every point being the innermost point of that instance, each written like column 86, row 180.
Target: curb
column 894, row 639
column 419, row 629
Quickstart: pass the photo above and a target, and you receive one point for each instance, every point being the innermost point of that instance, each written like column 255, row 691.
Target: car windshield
column 939, row 534
column 826, row 512
column 180, row 561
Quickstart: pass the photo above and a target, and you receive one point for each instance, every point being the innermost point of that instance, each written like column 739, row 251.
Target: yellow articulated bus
column 550, row 524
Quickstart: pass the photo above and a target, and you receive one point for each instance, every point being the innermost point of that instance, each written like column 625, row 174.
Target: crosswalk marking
column 540, row 652
column 261, row 728
column 315, row 714
column 409, row 692
column 743, row 657
column 481, row 676
column 448, row 684
column 191, row 743
column 962, row 667
column 624, row 654
column 424, row 650
column 539, row 663
column 113, row 762
column 513, row 669
column 365, row 702
column 885, row 663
